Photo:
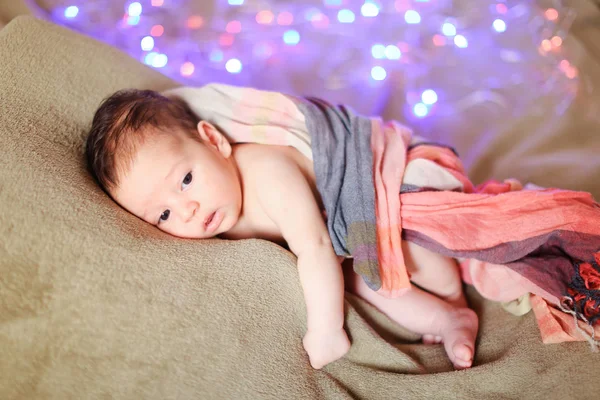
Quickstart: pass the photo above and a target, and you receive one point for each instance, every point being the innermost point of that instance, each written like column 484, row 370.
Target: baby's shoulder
column 263, row 158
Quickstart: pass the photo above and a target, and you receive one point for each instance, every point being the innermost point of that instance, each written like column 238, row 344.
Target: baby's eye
column 164, row 216
column 186, row 180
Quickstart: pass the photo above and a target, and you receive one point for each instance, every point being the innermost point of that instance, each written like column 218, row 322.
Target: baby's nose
column 190, row 210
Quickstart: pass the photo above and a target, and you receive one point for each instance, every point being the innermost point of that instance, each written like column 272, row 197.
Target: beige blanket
column 96, row 304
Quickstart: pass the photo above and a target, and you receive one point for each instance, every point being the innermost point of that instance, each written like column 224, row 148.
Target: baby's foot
column 431, row 339
column 459, row 337
column 457, row 300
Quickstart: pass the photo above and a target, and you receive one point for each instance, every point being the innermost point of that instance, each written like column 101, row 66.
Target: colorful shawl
column 381, row 184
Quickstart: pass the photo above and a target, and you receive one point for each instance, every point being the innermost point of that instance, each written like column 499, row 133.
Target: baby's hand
column 324, row 347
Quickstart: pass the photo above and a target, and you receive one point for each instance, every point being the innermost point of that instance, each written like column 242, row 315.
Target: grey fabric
column 343, row 164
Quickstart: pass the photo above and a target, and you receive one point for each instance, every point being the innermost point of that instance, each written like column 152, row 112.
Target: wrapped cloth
column 380, row 184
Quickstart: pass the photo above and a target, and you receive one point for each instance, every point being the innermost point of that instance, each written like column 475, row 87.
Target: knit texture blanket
column 381, row 184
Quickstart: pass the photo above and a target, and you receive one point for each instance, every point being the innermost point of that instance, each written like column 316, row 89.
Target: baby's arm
column 288, row 200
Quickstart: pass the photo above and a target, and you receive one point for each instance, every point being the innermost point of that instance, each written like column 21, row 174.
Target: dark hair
column 121, row 124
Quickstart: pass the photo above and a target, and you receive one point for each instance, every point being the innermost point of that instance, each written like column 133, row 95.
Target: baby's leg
column 435, row 273
column 424, row 313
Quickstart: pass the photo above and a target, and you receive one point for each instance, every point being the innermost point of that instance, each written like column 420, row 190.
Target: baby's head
column 153, row 157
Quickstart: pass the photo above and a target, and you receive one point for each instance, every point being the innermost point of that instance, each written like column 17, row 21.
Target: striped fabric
column 509, row 240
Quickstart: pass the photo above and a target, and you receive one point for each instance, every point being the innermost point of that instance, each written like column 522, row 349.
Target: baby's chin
column 229, row 221
column 197, row 233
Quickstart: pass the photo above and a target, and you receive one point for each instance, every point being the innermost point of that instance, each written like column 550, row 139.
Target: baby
column 154, row 158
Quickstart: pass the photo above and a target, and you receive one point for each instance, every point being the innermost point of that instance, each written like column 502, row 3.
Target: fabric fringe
column 590, row 338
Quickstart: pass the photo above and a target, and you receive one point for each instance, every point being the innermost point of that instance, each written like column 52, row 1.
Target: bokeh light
column 448, row 29
column 134, row 9
column 157, row 30
column 378, row 51
column 378, row 73
column 412, row 17
column 429, row 97
column 234, row 27
column 499, row 25
column 187, row 69
column 285, row 18
column 551, row 14
column 420, row 110
column 234, row 66
column 71, row 11
column 147, row 43
column 291, row 37
column 346, row 16
column 348, row 44
column 133, row 19
column 195, row 22
column 392, row 52
column 369, row 10
column 461, row 41
column 265, row 17
column 438, row 40
column 216, row 56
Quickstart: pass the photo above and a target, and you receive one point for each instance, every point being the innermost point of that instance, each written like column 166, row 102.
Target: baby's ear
column 211, row 135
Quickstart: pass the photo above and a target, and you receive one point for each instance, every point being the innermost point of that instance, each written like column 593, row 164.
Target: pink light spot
column 285, row 18
column 226, row 39
column 234, row 27
column 439, row 40
column 187, row 69
column 195, row 22
column 264, row 17
column 551, row 14
column 157, row 30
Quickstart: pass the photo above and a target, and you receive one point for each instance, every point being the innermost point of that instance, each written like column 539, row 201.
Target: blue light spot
column 291, row 37
column 448, row 29
column 461, row 41
column 392, row 52
column 134, row 9
column 147, row 43
column 346, row 16
column 159, row 61
column 499, row 25
column 333, row 3
column 71, row 12
column 133, row 20
column 378, row 51
column 412, row 17
column 311, row 14
column 369, row 10
column 420, row 110
column 235, row 2
column 150, row 57
column 216, row 56
column 429, row 97
column 378, row 73
column 233, row 66
column 263, row 50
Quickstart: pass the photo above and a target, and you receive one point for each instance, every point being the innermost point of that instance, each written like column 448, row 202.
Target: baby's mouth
column 209, row 219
